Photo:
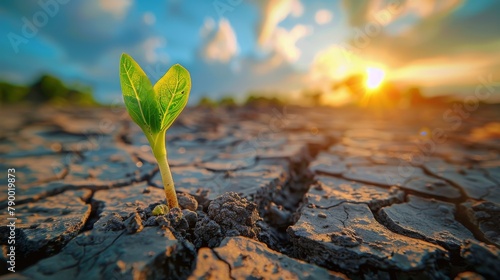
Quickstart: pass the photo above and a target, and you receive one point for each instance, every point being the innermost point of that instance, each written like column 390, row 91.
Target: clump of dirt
column 134, row 224
column 234, row 213
column 227, row 215
column 187, row 201
column 208, row 233
column 191, row 217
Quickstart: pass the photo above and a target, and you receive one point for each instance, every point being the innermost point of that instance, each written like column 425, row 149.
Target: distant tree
column 206, row 101
column 315, row 96
column 10, row 93
column 227, row 101
column 260, row 100
column 49, row 89
column 415, row 96
column 388, row 95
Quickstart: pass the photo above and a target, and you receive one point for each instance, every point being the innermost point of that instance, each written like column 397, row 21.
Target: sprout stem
column 160, row 153
column 168, row 182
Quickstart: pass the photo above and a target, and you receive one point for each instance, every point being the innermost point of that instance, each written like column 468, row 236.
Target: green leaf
column 172, row 92
column 139, row 96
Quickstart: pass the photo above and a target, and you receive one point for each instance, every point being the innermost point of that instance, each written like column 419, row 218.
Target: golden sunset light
column 374, row 77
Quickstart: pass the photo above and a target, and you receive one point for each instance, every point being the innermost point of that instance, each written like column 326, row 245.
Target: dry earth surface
column 266, row 193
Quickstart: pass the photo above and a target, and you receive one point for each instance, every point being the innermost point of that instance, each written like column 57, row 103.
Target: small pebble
column 187, row 201
column 190, row 216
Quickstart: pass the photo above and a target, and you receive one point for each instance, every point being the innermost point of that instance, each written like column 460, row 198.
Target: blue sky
column 233, row 47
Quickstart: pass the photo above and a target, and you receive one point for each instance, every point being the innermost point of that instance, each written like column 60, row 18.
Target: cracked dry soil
column 266, row 193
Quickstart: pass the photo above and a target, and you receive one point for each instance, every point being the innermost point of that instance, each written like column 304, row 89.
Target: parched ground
column 267, row 193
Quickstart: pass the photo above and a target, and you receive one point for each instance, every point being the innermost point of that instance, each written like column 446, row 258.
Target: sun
column 374, row 77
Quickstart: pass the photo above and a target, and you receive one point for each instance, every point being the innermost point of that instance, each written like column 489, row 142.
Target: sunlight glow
column 374, row 77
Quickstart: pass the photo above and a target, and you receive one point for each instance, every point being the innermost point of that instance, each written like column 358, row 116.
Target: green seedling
column 154, row 109
column 160, row 210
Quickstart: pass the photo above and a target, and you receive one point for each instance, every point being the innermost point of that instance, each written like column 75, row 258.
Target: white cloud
column 296, row 9
column 117, row 8
column 284, row 42
column 222, row 45
column 274, row 12
column 208, row 27
column 323, row 17
column 150, row 46
column 149, row 18
column 282, row 48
